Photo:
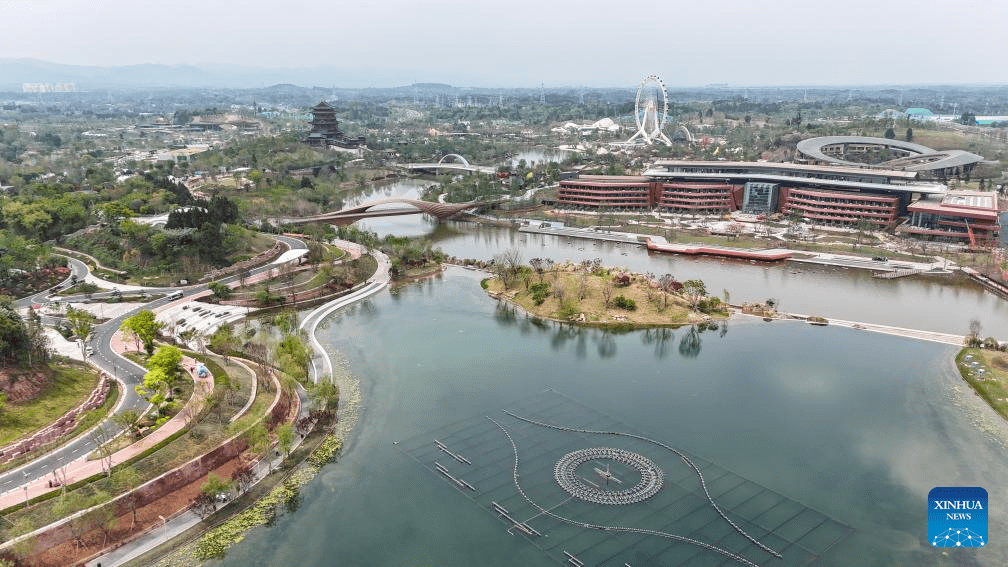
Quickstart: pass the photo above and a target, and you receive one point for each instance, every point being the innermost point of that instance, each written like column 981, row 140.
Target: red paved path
column 83, row 468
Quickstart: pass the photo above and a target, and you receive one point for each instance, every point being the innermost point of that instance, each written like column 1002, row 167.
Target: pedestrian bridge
column 378, row 208
column 450, row 162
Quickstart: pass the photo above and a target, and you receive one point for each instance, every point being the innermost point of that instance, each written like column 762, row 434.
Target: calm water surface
column 937, row 303
column 856, row 426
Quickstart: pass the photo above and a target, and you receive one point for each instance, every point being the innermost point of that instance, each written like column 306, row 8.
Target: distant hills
column 15, row 72
column 329, row 81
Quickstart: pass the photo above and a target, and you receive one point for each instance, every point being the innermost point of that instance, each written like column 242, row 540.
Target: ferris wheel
column 651, row 111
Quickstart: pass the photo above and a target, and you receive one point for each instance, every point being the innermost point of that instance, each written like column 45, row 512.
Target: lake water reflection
column 855, row 426
column 935, row 303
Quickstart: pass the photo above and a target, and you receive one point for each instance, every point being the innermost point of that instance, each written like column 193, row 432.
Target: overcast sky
column 528, row 42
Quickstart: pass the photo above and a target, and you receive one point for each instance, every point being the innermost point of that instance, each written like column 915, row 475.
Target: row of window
column 843, row 206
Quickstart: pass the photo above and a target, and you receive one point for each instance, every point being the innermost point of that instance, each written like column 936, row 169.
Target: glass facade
column 760, row 198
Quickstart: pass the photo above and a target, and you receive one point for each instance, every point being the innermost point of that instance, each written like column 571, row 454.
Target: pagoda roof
column 323, row 105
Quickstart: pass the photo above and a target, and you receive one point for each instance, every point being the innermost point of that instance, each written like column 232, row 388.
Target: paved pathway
column 81, row 468
column 181, row 522
column 932, row 336
column 377, row 282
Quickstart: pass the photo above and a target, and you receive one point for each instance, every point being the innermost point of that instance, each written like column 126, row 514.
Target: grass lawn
column 71, row 384
column 280, row 282
column 224, row 376
column 986, row 371
column 89, row 420
column 336, row 252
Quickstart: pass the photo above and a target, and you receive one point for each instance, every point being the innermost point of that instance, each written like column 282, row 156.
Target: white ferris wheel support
column 649, row 127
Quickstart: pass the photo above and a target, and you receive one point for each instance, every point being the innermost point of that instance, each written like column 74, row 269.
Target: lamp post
column 164, row 527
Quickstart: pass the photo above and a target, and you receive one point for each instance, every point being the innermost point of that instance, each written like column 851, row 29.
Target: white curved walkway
column 377, row 282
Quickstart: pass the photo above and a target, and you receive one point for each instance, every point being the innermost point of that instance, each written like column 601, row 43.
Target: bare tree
column 651, row 288
column 204, row 504
column 975, row 327
column 126, row 479
column 667, row 284
column 607, row 291
column 103, row 447
column 507, row 266
column 242, row 477
column 538, row 265
column 582, row 285
column 559, row 292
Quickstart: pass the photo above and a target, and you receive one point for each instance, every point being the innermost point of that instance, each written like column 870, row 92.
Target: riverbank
column 986, row 371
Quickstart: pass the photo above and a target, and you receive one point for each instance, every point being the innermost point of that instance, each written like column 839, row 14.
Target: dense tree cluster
column 43, row 211
column 20, row 342
column 217, row 211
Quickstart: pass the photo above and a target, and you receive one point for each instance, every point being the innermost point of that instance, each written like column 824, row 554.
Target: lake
column 824, row 442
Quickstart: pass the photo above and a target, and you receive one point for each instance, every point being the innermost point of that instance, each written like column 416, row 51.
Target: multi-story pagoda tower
column 325, row 130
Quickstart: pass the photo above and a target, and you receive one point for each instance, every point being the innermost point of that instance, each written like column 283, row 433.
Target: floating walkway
column 896, row 274
column 765, row 255
column 620, row 237
column 997, row 288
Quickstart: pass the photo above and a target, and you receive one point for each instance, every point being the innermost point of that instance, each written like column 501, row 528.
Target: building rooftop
column 971, row 199
column 614, row 178
column 797, row 167
column 923, row 158
column 973, row 204
column 847, row 178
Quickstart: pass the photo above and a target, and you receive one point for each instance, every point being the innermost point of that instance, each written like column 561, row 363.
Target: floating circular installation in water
column 565, row 472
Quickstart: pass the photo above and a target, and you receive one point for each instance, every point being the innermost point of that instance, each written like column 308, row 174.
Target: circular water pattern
column 565, row 472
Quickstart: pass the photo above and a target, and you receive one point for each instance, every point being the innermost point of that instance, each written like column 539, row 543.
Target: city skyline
column 592, row 44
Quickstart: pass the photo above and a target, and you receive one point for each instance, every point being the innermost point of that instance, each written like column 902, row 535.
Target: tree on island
column 694, row 291
column 507, row 266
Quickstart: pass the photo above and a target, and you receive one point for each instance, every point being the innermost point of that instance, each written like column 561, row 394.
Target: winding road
column 126, row 372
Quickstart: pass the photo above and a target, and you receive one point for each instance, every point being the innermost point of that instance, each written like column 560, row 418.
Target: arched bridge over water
column 450, row 162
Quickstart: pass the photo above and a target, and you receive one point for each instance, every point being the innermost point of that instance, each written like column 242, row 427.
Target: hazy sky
column 528, row 42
